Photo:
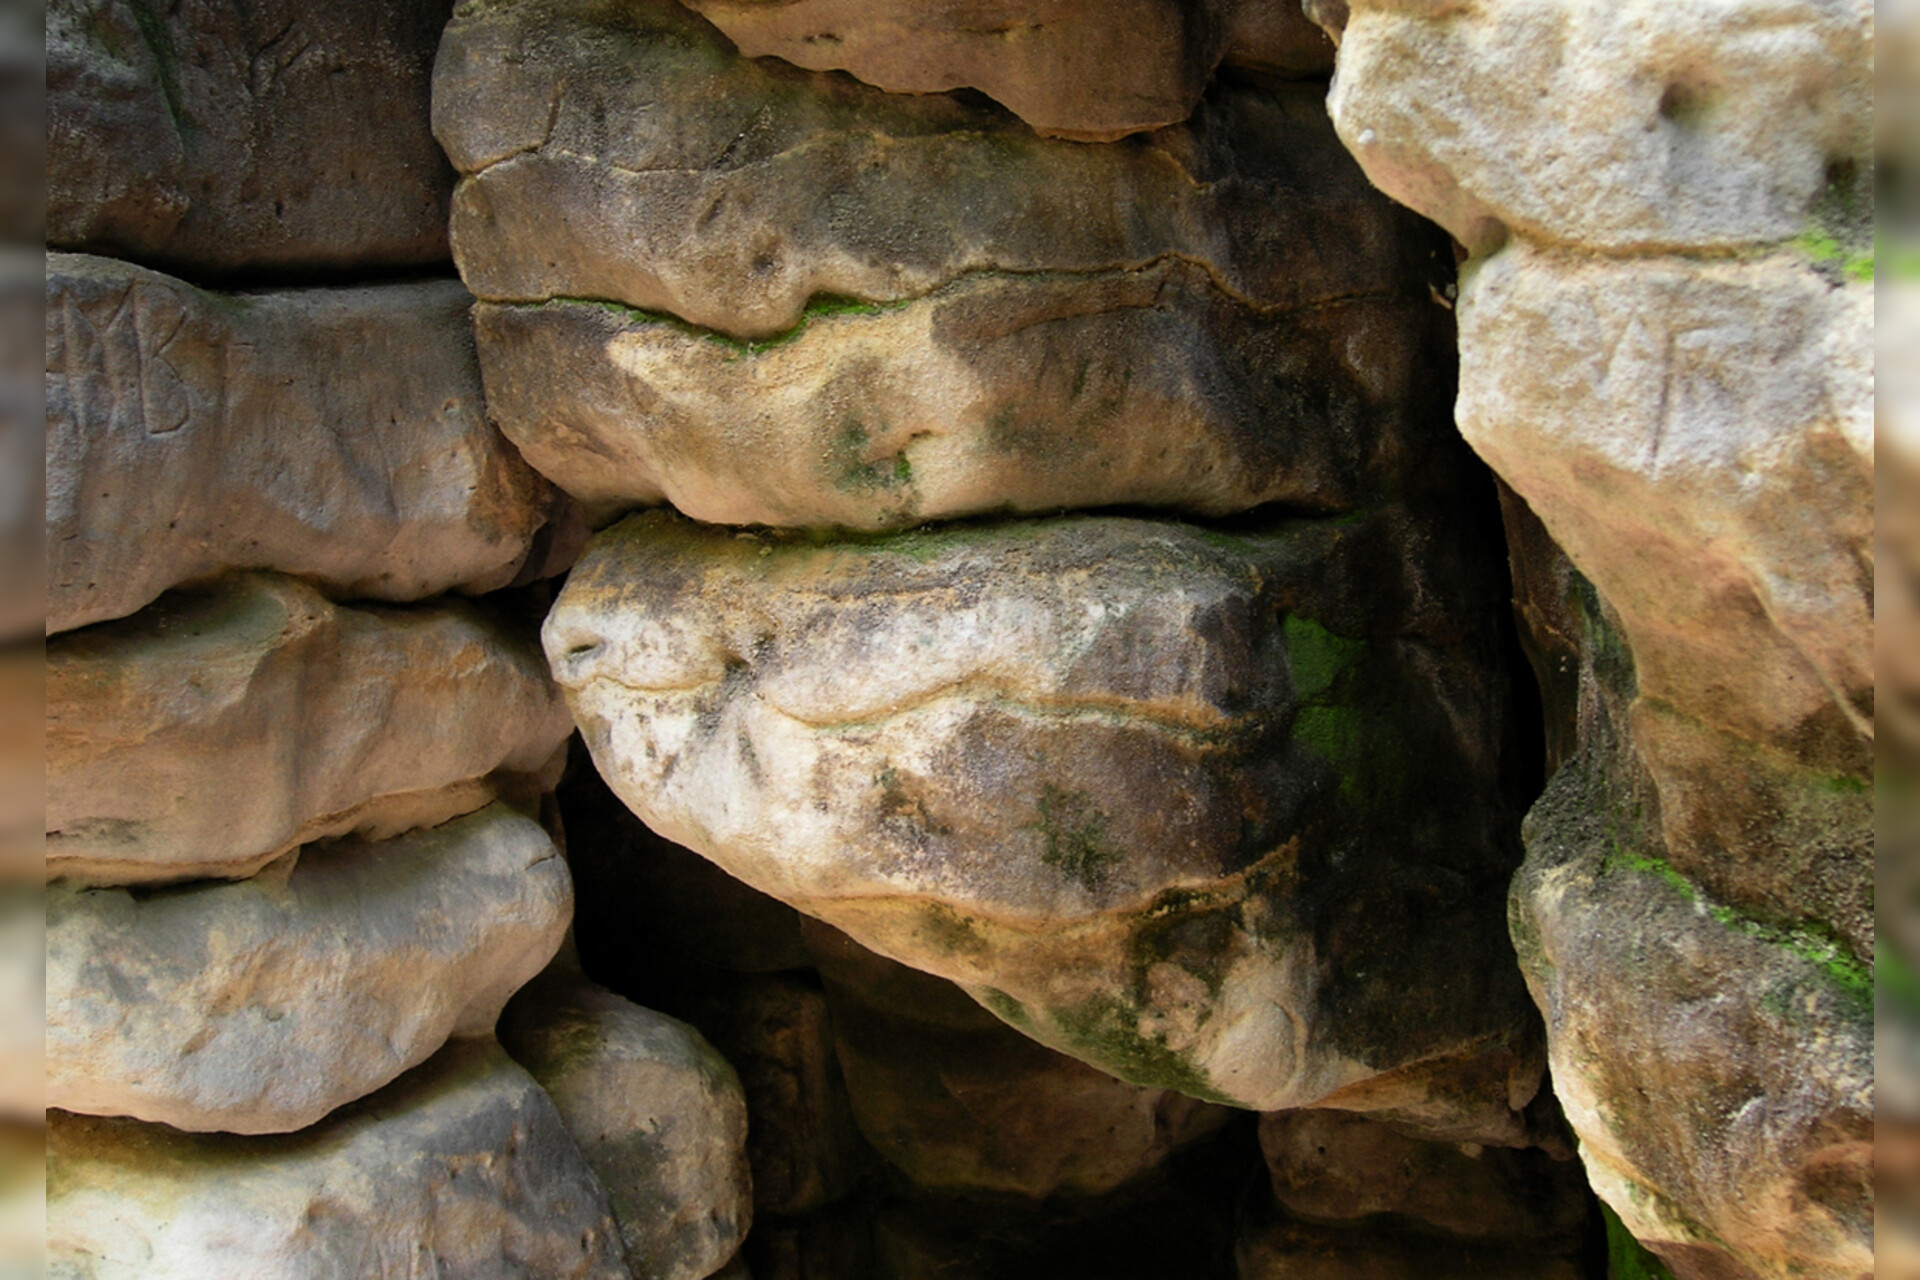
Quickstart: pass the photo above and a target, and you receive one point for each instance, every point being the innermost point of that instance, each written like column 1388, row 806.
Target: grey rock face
column 261, row 1006
column 1621, row 127
column 656, row 1112
column 337, row 434
column 220, row 728
column 276, row 137
column 1151, row 794
column 461, row 1167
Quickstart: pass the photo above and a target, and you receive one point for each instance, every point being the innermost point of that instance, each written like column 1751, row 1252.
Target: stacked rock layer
column 915, row 639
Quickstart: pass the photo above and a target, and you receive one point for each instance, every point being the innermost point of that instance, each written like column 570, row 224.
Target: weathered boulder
column 460, row 1168
column 1212, row 812
column 215, row 139
column 1070, row 69
column 1625, row 127
column 961, row 1102
column 1004, row 394
column 337, row 434
column 259, row 1007
column 224, row 726
column 656, row 1112
column 787, row 298
column 1332, row 1167
column 1717, row 1067
column 1716, row 415
column 620, row 150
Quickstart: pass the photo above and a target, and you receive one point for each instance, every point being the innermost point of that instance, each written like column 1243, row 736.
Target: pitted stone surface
column 274, row 137
column 337, row 434
column 460, row 1168
column 1624, row 127
column 656, row 1112
column 1070, row 69
column 222, row 727
column 258, row 1007
column 1164, row 799
column 621, row 151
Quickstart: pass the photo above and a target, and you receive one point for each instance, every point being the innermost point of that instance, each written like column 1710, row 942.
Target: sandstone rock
column 961, row 1102
column 1625, row 127
column 223, row 727
column 656, row 1112
column 1717, row 416
column 1217, row 813
column 1094, row 72
column 271, row 137
column 1328, row 1166
column 338, row 434
column 620, row 150
column 23, row 440
column 259, row 1007
column 460, row 1168
column 23, row 1002
column 1145, row 388
column 1717, row 1068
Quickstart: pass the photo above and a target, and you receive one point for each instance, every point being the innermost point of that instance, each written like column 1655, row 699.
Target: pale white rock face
column 260, row 1006
column 1073, row 69
column 337, row 434
column 657, row 1113
column 220, row 728
column 1628, row 126
column 1713, row 414
column 460, row 1168
column 1093, row 771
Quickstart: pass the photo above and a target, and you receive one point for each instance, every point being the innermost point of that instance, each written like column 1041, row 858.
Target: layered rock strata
column 416, row 1178
column 224, row 727
column 1183, row 824
column 1665, row 350
column 336, row 434
column 259, row 1007
column 277, row 138
column 790, row 299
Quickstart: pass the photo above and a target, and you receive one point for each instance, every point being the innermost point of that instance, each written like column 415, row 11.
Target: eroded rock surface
column 656, row 1112
column 417, row 1178
column 338, row 434
column 1216, row 813
column 259, row 1007
column 1070, row 69
column 730, row 192
column 961, row 1102
column 222, row 727
column 1017, row 394
column 1718, row 1069
column 1622, row 127
column 789, row 299
column 274, row 137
